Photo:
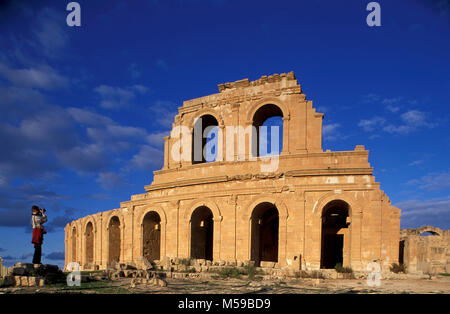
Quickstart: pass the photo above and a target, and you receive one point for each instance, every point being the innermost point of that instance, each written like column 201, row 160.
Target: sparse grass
column 230, row 272
column 444, row 274
column 396, row 268
column 251, row 271
column 186, row 261
column 343, row 270
column 236, row 272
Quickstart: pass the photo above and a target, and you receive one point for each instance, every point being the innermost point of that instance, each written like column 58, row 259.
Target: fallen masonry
column 33, row 275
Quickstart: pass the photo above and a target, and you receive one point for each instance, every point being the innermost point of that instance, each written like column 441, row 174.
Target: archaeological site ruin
column 304, row 208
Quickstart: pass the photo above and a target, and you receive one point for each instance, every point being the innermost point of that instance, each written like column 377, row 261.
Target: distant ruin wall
column 425, row 253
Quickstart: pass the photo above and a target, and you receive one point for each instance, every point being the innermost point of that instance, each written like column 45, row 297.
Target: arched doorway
column 114, row 239
column 268, row 130
column 205, row 139
column 89, row 243
column 74, row 244
column 335, row 234
column 202, row 231
column 151, row 236
column 264, row 233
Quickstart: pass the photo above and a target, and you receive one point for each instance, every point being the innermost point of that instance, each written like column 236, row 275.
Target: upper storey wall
column 235, row 106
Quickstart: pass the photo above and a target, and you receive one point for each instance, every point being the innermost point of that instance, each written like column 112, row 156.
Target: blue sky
column 83, row 109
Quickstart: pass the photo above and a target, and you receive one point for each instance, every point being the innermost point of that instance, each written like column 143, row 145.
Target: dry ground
column 440, row 284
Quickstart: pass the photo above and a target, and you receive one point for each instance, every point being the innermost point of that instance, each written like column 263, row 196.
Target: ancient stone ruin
column 33, row 275
column 301, row 209
column 425, row 250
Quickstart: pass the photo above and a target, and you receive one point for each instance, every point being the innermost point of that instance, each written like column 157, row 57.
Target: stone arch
column 281, row 206
column 331, row 196
column 207, row 203
column 203, row 112
column 267, row 101
column 283, row 216
column 217, row 219
column 433, row 230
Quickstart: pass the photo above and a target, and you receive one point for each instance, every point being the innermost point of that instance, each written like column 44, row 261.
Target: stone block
column 9, row 281
column 24, row 281
column 204, row 268
column 33, row 281
column 265, row 264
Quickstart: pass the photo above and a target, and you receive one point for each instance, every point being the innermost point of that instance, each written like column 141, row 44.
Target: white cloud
column 88, row 117
column 372, row 124
column 148, row 158
column 392, row 108
column 330, row 131
column 163, row 113
column 415, row 162
column 49, row 32
column 414, row 117
column 157, row 138
column 410, row 121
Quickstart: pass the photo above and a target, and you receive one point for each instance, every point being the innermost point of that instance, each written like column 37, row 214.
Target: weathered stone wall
column 3, row 269
column 425, row 253
column 305, row 181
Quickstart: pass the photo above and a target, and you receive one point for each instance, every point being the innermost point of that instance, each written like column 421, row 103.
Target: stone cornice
column 259, row 176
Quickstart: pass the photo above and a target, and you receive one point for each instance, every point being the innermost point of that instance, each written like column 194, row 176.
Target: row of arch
column 264, row 233
column 265, row 115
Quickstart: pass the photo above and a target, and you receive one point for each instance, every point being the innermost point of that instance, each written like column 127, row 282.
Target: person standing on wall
column 38, row 218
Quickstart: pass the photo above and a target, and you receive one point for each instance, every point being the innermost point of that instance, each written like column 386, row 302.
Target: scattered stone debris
column 32, row 275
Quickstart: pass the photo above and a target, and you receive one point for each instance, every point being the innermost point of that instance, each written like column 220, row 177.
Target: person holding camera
column 38, row 218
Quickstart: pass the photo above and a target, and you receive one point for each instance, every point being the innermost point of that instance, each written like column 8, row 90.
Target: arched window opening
column 429, row 233
column 114, row 239
column 205, row 139
column 335, row 221
column 202, row 232
column 89, row 243
column 268, row 130
column 151, row 236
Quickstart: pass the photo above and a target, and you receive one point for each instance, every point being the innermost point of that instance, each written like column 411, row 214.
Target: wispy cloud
column 117, row 97
column 410, row 121
column 111, row 180
column 433, row 181
column 331, row 132
column 43, row 76
column 416, row 213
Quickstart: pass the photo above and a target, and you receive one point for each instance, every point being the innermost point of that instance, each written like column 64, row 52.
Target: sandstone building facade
column 312, row 210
